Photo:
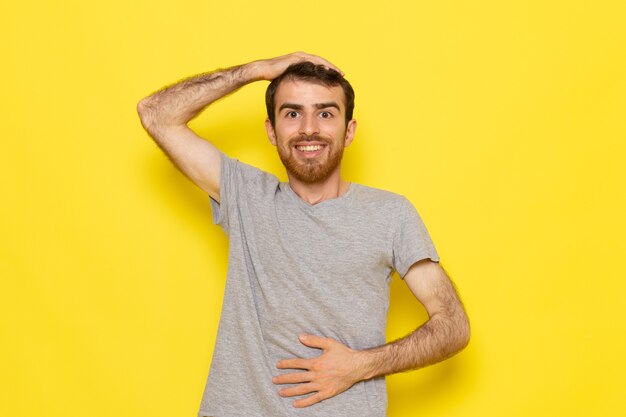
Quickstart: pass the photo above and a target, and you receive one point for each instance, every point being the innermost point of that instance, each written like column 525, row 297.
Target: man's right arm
column 165, row 114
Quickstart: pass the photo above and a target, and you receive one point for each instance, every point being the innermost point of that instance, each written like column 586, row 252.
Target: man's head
column 310, row 121
column 316, row 74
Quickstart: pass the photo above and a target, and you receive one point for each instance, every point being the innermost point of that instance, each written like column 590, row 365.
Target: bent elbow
column 463, row 332
column 145, row 112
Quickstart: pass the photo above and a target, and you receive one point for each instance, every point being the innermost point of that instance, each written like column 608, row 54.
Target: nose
column 309, row 126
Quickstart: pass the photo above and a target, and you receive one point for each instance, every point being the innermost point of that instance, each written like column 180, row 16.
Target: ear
column 350, row 131
column 270, row 131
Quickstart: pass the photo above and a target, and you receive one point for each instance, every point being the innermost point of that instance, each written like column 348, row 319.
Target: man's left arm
column 339, row 367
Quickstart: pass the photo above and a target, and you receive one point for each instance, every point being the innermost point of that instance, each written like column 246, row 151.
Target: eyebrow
column 318, row 106
column 327, row 105
column 291, row 106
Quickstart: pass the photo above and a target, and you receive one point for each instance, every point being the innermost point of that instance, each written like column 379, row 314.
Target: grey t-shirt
column 294, row 268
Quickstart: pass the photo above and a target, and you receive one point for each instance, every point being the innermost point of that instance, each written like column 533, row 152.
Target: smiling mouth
column 309, row 148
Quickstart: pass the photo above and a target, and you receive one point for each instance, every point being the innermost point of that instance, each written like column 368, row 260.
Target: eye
column 326, row 115
column 291, row 114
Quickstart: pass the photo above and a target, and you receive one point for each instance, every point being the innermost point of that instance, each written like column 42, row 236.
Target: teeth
column 309, row 148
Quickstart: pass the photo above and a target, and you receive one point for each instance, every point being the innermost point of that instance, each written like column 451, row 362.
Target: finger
column 301, row 389
column 295, row 363
column 310, row 400
column 319, row 61
column 316, row 341
column 329, row 65
column 292, row 378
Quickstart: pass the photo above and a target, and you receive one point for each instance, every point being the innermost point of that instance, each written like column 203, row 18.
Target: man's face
column 310, row 131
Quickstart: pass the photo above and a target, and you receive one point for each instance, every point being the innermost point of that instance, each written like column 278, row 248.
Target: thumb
column 315, row 341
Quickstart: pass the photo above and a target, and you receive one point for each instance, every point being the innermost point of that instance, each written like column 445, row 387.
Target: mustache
column 307, row 138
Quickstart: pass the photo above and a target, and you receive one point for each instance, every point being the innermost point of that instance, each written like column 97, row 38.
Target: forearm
column 176, row 105
column 440, row 337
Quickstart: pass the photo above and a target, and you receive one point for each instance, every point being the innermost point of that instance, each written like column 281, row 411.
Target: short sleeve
column 411, row 241
column 241, row 185
column 220, row 210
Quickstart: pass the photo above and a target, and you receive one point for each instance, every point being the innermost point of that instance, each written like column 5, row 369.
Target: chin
column 311, row 172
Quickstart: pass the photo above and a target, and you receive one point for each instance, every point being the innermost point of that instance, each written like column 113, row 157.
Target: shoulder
column 379, row 198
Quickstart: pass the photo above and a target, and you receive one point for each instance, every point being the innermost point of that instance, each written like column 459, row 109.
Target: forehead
column 308, row 94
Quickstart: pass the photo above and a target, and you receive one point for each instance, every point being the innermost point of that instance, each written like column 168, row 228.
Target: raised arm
column 339, row 367
column 165, row 114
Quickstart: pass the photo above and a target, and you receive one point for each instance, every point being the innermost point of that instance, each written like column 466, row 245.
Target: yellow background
column 503, row 122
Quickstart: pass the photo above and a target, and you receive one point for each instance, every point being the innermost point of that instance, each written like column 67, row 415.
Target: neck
column 332, row 187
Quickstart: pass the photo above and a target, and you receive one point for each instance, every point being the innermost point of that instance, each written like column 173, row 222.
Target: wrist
column 366, row 364
column 255, row 71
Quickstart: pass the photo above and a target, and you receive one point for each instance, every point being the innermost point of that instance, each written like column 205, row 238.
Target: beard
column 311, row 170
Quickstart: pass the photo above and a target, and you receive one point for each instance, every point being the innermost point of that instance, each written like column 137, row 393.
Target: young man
column 302, row 331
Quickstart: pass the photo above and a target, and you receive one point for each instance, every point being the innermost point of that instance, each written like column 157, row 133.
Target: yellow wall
column 503, row 122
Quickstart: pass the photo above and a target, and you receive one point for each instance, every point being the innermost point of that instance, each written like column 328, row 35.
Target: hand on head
column 272, row 68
